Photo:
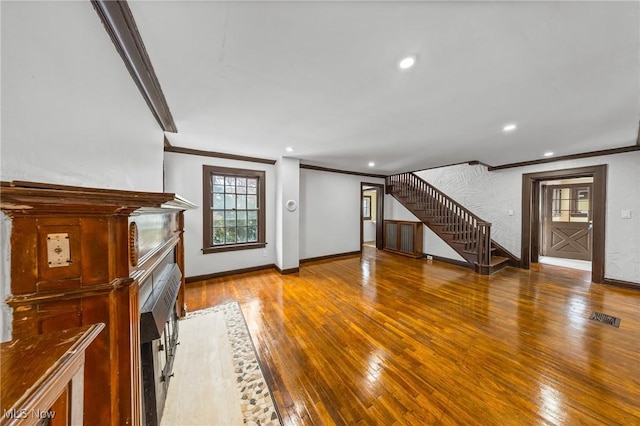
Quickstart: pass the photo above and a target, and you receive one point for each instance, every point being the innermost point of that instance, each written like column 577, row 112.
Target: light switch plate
column 625, row 214
column 58, row 252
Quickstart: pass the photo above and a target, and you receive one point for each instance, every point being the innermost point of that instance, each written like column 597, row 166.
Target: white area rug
column 218, row 379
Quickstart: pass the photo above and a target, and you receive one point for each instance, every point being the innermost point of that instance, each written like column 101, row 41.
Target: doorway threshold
column 583, row 265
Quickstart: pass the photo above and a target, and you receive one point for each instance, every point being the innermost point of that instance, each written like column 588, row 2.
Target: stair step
column 497, row 260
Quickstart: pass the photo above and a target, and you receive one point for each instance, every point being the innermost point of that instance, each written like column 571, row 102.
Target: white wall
column 330, row 212
column 183, row 175
column 287, row 222
column 71, row 113
column 491, row 194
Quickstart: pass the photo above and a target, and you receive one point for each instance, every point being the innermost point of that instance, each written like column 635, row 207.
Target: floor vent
column 605, row 319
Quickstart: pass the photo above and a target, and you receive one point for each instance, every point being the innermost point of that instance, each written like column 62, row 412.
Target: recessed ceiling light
column 407, row 62
column 548, row 154
column 371, row 164
column 289, row 149
column 509, row 127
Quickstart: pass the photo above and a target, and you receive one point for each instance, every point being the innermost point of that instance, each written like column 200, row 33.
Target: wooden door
column 567, row 221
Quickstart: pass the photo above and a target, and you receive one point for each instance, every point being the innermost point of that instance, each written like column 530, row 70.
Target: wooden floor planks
column 384, row 339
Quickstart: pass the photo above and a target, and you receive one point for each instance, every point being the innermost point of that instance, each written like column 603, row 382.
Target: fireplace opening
column 158, row 339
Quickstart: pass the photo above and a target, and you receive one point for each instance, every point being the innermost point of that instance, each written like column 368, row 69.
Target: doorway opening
column 563, row 218
column 566, row 223
column 371, row 214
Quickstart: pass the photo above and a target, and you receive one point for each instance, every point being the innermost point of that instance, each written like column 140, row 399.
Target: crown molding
column 123, row 31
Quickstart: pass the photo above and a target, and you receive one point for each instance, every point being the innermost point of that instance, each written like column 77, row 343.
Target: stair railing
column 466, row 227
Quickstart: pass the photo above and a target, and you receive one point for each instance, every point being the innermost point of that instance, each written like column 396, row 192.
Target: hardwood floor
column 385, row 339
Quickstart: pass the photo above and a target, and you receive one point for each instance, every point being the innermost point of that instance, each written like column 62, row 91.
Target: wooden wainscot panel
column 95, row 248
column 24, row 253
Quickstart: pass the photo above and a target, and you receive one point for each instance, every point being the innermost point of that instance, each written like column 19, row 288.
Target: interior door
column 567, row 221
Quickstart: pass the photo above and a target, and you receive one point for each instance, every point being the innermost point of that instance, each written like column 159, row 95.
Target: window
column 366, row 207
column 234, row 209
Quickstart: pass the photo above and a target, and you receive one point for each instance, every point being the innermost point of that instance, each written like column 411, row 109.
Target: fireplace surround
column 81, row 256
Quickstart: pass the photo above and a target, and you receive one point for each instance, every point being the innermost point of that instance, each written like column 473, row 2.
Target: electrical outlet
column 429, row 257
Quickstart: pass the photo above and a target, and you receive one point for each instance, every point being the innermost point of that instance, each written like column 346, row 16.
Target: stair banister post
column 484, row 243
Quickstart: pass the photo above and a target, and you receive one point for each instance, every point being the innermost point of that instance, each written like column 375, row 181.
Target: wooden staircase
column 466, row 233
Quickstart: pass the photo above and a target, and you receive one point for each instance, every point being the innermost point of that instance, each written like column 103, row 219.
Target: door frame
column 379, row 188
column 531, row 226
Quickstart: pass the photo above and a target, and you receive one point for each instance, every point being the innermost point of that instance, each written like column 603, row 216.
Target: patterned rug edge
column 258, row 405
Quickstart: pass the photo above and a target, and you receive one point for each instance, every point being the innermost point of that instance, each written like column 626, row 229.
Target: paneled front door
column 567, row 221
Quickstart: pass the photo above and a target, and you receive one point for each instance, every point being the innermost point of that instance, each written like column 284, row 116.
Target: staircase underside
column 462, row 242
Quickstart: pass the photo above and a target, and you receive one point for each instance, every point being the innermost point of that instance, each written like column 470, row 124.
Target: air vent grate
column 605, row 319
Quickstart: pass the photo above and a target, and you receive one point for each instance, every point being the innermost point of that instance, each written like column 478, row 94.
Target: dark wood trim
column 470, row 163
column 189, row 151
column 207, row 235
column 450, row 261
column 121, row 27
column 233, row 247
column 167, row 144
column 531, row 205
column 67, row 294
column 286, row 271
column 197, row 278
column 380, row 191
column 621, row 283
column 330, row 256
column 568, row 157
column 345, row 172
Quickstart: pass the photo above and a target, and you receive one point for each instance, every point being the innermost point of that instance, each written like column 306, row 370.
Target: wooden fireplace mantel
column 82, row 256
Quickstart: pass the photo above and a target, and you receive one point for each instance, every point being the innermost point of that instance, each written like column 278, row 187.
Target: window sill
column 233, row 247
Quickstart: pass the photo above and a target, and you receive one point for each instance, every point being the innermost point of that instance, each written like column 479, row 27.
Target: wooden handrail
column 455, row 218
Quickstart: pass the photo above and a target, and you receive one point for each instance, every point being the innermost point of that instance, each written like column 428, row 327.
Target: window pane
column 230, row 181
column 252, row 201
column 218, row 188
column 240, row 181
column 230, row 218
column 218, row 201
column 241, row 218
column 242, row 234
column 230, row 201
column 218, row 180
column 252, row 185
column 218, row 218
column 231, row 235
column 230, row 189
column 241, row 202
column 252, row 217
column 218, row 236
column 252, row 234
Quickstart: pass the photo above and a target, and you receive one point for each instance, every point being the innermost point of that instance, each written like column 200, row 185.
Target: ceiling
column 252, row 78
